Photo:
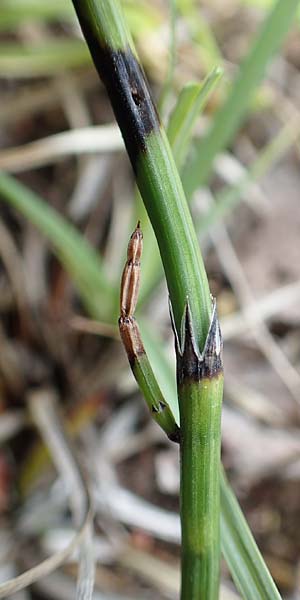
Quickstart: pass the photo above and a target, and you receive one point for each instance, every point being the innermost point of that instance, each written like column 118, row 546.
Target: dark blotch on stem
column 128, row 91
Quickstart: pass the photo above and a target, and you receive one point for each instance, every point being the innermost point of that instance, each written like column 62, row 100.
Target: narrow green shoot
column 114, row 56
column 17, row 60
column 247, row 567
column 74, row 252
column 230, row 116
column 231, row 195
column 164, row 370
column 201, row 33
column 189, row 105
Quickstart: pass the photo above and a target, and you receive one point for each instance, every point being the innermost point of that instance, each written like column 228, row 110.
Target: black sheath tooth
column 191, row 363
column 177, row 342
column 189, row 360
column 213, row 349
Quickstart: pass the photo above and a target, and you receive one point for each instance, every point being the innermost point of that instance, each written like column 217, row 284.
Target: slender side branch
column 131, row 338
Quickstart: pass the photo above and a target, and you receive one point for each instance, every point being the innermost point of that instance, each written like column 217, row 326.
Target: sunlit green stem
column 189, row 105
column 115, row 58
column 200, row 416
column 160, row 186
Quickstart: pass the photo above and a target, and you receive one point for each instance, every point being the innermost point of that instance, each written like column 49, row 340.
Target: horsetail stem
column 238, row 545
column 114, row 56
column 200, row 389
column 200, row 396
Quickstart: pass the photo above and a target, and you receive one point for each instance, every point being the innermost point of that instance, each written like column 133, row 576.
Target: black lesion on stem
column 128, row 91
column 130, row 98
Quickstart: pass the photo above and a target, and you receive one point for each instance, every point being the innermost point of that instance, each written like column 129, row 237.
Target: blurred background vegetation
column 68, row 206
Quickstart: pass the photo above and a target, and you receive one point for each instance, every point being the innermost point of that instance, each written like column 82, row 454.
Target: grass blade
column 190, row 103
column 229, row 117
column 201, row 33
column 74, row 252
column 242, row 555
column 229, row 197
column 45, row 59
column 115, row 59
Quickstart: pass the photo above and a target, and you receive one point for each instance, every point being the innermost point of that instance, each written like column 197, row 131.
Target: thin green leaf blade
column 230, row 116
column 201, row 33
column 246, row 564
column 16, row 12
column 232, row 195
column 75, row 253
column 17, row 60
column 189, row 105
column 141, row 17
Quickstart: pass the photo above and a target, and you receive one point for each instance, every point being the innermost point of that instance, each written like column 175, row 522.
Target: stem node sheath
column 200, row 385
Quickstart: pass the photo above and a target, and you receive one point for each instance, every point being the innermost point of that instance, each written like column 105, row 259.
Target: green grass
column 163, row 195
column 230, row 116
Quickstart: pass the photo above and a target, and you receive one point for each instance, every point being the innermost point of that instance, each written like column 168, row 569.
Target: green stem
column 200, row 415
column 160, row 186
column 114, row 56
column 200, row 390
